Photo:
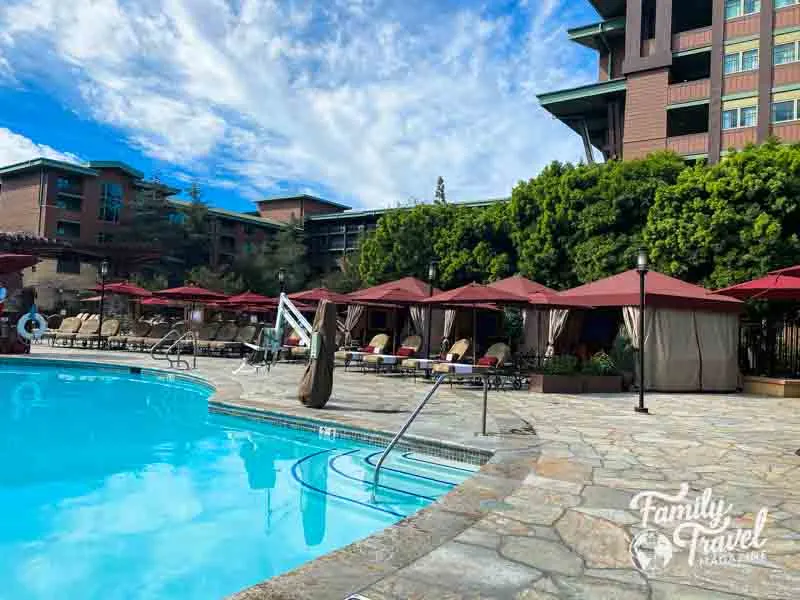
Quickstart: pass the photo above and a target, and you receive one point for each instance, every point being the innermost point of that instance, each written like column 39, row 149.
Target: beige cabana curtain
column 534, row 331
column 449, row 320
column 718, row 339
column 354, row 312
column 686, row 350
column 557, row 318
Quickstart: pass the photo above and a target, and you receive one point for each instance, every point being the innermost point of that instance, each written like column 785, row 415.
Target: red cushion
column 488, row 361
column 367, row 349
column 292, row 342
column 405, row 352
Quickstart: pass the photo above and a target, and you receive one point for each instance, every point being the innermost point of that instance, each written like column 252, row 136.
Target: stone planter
column 602, row 384
column 556, row 384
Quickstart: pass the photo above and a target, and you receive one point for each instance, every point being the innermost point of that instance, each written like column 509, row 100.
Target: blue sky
column 361, row 101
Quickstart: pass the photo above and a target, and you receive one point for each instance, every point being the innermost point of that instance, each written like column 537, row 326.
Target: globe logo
column 651, row 551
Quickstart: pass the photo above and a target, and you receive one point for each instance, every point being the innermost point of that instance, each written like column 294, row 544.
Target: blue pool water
column 118, row 485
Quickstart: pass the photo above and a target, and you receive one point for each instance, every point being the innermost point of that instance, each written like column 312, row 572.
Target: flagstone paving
column 549, row 516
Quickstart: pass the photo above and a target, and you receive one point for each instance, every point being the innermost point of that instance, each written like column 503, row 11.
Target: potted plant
column 558, row 375
column 600, row 375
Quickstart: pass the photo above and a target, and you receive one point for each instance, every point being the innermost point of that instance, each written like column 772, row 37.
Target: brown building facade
column 699, row 77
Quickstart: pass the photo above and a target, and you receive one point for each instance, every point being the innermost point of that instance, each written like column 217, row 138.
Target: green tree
column 574, row 224
column 732, row 221
column 226, row 281
column 440, row 197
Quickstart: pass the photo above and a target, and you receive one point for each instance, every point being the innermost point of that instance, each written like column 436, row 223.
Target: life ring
column 37, row 331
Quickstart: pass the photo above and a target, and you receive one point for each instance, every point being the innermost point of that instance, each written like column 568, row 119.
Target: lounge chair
column 206, row 334
column 246, row 335
column 86, row 330
column 110, row 327
column 496, row 357
column 375, row 346
column 132, row 339
column 408, row 348
column 70, row 326
column 157, row 332
column 225, row 338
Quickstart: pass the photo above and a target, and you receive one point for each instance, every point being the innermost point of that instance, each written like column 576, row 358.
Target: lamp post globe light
column 282, row 279
column 642, row 268
column 103, row 275
column 431, row 278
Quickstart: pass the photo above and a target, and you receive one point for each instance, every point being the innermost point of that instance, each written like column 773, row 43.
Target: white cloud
column 16, row 148
column 371, row 99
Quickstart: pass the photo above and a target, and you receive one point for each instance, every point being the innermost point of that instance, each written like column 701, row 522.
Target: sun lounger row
column 84, row 332
column 497, row 357
column 212, row 338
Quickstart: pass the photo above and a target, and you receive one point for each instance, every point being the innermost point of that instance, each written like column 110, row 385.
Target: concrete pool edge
column 358, row 566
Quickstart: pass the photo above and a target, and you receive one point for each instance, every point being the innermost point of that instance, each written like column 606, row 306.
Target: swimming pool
column 122, row 485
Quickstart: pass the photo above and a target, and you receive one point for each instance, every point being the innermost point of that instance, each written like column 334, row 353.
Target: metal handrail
column 176, row 344
column 161, row 341
column 179, row 342
column 403, row 429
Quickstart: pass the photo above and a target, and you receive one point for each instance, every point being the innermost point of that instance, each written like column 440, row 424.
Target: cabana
column 407, row 292
column 691, row 334
column 534, row 317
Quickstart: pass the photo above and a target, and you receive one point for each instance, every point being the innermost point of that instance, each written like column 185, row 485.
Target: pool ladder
column 403, row 429
column 174, row 352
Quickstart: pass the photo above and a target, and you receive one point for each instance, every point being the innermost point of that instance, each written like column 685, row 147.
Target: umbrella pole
column 474, row 334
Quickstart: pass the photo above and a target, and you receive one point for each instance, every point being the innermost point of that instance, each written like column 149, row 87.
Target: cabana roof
column 475, row 293
column 413, row 288
column 521, row 286
column 660, row 290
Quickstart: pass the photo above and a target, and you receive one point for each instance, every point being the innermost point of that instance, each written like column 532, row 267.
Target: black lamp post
column 282, row 279
column 103, row 275
column 641, row 266
column 431, row 279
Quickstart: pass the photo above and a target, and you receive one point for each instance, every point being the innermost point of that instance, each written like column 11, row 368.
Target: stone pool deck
column 548, row 516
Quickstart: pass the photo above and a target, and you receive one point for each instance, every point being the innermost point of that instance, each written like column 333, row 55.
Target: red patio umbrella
column 474, row 295
column 190, row 293
column 11, row 263
column 124, row 288
column 775, row 286
column 319, row 294
column 252, row 299
column 158, row 302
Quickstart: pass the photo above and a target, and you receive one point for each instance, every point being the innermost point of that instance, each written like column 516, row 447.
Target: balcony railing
column 694, row 143
column 689, row 91
column 692, row 39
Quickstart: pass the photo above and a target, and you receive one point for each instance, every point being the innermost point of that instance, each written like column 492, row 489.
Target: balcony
column 689, row 91
column 692, row 39
column 685, row 145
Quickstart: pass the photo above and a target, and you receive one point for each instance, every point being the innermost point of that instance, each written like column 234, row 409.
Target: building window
column 740, row 8
column 68, row 185
column 68, row 203
column 785, row 3
column 736, row 62
column 785, row 53
column 68, row 229
column 104, row 238
column 227, row 244
column 177, row 218
column 110, row 202
column 784, row 111
column 68, row 264
column 739, row 117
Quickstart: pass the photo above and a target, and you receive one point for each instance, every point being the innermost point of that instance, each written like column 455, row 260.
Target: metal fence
column 770, row 348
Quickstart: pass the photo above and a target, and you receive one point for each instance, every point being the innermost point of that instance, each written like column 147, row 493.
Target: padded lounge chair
column 157, row 332
column 375, row 346
column 206, row 334
column 225, row 338
column 133, row 339
column 69, row 326
column 246, row 335
column 87, row 329
column 110, row 327
column 408, row 348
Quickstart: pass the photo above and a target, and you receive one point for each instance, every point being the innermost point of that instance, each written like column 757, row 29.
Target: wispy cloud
column 370, row 99
column 16, row 148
